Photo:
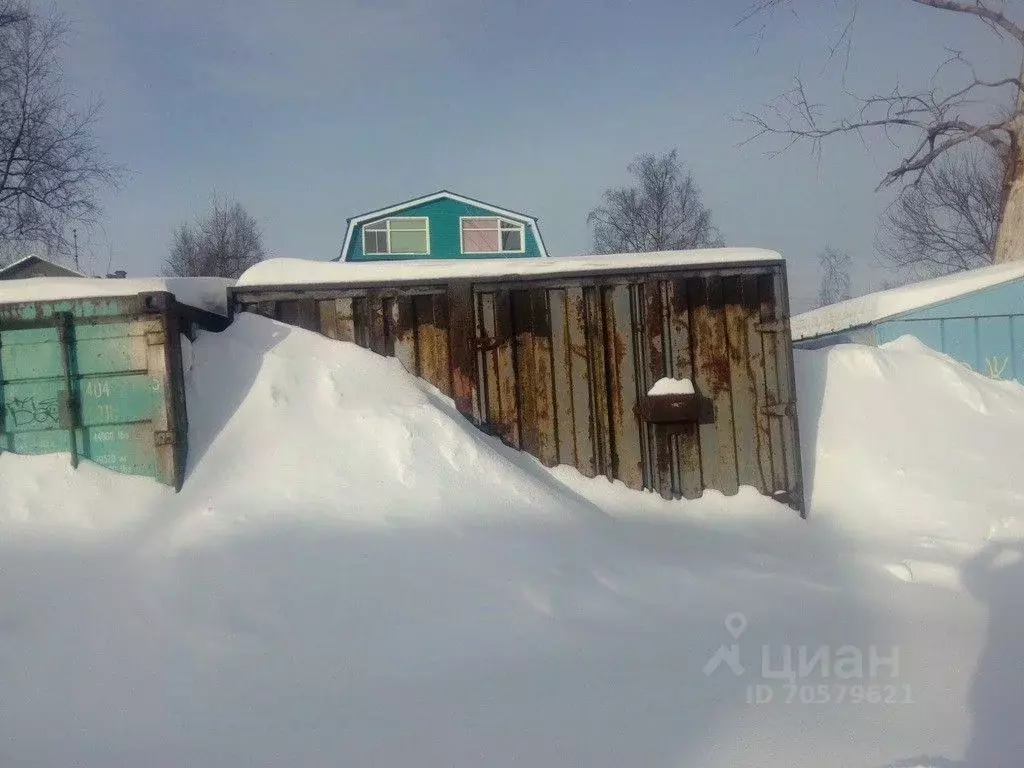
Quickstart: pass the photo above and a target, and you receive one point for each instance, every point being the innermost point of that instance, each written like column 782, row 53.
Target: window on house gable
column 491, row 234
column 397, row 236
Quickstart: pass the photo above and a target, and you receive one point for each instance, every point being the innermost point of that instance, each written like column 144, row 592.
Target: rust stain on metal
column 461, row 337
column 543, row 383
column 624, row 443
column 432, row 340
column 505, row 364
column 560, row 368
column 579, row 378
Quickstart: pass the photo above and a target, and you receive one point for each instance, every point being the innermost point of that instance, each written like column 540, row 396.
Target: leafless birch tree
column 968, row 111
column 662, row 210
column 51, row 169
column 835, row 276
column 948, row 220
column 223, row 243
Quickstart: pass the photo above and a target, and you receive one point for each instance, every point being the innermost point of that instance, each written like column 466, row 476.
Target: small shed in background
column 93, row 368
column 975, row 317
column 36, row 266
column 561, row 357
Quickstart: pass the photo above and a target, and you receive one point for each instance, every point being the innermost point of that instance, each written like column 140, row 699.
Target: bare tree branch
column 948, row 220
column 982, row 11
column 51, row 169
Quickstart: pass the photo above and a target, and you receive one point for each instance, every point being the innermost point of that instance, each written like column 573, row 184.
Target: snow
column 302, row 272
column 352, row 575
column 873, row 307
column 667, row 386
column 209, row 293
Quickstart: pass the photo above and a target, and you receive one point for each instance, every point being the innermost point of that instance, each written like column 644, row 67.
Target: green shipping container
column 99, row 378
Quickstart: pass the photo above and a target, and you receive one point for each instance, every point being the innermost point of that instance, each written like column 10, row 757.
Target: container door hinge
column 780, row 410
column 773, row 326
column 164, row 437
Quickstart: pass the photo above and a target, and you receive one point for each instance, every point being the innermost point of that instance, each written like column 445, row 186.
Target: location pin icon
column 736, row 624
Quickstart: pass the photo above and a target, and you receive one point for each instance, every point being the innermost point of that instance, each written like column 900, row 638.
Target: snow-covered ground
column 354, row 576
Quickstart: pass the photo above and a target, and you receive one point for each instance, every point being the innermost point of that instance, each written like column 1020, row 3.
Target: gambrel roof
column 355, row 221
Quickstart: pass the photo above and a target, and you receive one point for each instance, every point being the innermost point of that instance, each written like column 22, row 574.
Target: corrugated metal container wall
column 99, row 378
column 561, row 366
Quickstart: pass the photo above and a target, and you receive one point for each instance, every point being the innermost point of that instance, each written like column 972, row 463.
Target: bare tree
column 929, row 122
column 50, row 167
column 948, row 220
column 662, row 210
column 835, row 276
column 223, row 243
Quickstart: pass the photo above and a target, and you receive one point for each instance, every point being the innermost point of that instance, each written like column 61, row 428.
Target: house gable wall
column 445, row 240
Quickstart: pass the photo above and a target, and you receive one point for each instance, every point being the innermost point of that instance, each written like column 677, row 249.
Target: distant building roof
column 882, row 305
column 38, row 265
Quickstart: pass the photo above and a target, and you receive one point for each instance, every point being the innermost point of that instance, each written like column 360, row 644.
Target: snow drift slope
column 921, row 442
column 355, row 576
column 287, row 422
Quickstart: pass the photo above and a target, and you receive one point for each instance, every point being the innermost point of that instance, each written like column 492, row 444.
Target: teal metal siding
column 96, row 378
column 445, row 240
column 984, row 329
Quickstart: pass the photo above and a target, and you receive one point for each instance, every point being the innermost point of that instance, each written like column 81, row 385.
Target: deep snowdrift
column 354, row 576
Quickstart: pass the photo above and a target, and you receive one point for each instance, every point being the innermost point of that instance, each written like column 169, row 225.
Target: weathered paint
column 445, row 233
column 558, row 366
column 99, row 379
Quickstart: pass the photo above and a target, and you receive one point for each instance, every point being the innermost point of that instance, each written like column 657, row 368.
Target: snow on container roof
column 882, row 305
column 208, row 293
column 276, row 272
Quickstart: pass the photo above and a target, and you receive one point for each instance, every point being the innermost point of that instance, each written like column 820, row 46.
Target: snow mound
column 353, row 575
column 901, row 439
column 288, row 422
column 284, row 423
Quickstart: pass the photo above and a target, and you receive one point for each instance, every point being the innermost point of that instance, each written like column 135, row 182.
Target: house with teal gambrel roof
column 443, row 225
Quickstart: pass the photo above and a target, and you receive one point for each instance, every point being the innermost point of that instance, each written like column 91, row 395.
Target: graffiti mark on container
column 997, row 366
column 27, row 411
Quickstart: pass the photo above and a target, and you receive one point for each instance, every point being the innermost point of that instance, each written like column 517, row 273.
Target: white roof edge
column 36, row 256
column 209, row 293
column 357, row 220
column 283, row 272
column 879, row 306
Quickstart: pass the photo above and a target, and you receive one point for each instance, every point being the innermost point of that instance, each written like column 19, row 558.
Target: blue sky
column 311, row 112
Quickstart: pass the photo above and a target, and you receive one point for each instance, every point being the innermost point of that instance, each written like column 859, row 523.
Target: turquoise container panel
column 95, row 379
column 445, row 238
column 983, row 330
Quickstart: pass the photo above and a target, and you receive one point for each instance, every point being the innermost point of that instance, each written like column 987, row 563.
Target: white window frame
column 387, row 229
column 519, row 225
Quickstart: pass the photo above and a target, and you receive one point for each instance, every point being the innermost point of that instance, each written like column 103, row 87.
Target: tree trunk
column 1010, row 236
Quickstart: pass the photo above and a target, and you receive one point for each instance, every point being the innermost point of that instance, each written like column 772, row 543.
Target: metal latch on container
column 773, row 326
column 485, row 344
column 164, row 437
column 67, row 407
column 779, row 409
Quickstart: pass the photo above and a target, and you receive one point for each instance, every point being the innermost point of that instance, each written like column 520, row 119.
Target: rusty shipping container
column 99, row 378
column 558, row 358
